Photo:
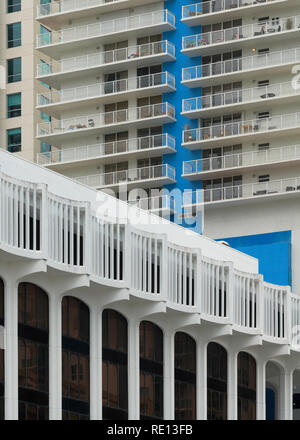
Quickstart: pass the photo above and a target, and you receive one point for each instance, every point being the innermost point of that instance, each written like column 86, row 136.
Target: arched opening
column 114, row 366
column 246, row 386
column 185, row 377
column 216, row 382
column 33, row 336
column 272, row 390
column 151, row 371
column 296, row 395
column 75, row 359
column 1, row 352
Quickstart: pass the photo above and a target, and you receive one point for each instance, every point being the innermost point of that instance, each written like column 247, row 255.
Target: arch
column 273, row 383
column 246, row 365
column 296, row 394
column 151, row 371
column 1, row 352
column 75, row 359
column 216, row 382
column 33, row 352
column 185, row 377
column 114, row 365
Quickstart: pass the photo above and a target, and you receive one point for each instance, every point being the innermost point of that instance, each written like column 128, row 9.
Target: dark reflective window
column 151, row 371
column 114, row 366
column 216, row 382
column 185, row 377
column 75, row 359
column 33, row 352
column 246, row 387
column 1, row 302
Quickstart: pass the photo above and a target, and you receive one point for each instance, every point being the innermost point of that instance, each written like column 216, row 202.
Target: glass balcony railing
column 101, row 58
column 99, row 29
column 59, row 7
column 238, row 160
column 102, row 119
column 240, row 128
column 107, row 88
column 158, row 203
column 260, row 61
column 94, row 151
column 270, row 27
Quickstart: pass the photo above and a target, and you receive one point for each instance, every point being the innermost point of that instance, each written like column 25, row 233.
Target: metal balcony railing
column 158, row 203
column 254, row 62
column 270, row 27
column 109, row 148
column 58, row 7
column 249, row 158
column 98, row 29
column 101, row 58
column 240, row 128
column 106, row 88
column 128, row 176
column 102, row 119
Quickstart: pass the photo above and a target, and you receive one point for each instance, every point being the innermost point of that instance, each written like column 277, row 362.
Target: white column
column 169, row 376
column 201, row 380
column 286, row 396
column 232, row 386
column 55, row 358
column 133, row 370
column 260, row 390
column 11, row 350
column 96, row 364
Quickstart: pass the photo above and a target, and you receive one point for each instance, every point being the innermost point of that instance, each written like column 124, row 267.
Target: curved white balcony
column 214, row 167
column 55, row 102
column 145, row 177
column 239, row 131
column 57, row 42
column 241, row 36
column 240, row 99
column 139, row 55
column 214, row 73
column 161, row 205
column 219, row 10
column 56, row 131
column 274, row 189
column 85, row 155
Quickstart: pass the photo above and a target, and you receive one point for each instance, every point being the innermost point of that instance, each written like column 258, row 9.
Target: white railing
column 99, row 29
column 239, row 96
column 214, row 6
column 270, row 27
column 243, row 64
column 88, row 152
column 155, row 204
column 240, row 128
column 249, row 190
column 106, row 88
column 102, row 119
column 70, row 236
column 128, row 176
column 98, row 59
column 238, row 160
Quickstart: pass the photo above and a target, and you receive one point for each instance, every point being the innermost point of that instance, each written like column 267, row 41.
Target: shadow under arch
column 216, row 381
column 273, row 383
column 246, row 366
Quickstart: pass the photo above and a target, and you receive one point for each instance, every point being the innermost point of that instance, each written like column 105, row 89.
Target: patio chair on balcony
column 290, row 188
column 91, row 123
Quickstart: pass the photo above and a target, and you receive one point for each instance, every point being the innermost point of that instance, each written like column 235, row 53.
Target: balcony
column 147, row 177
column 240, row 99
column 138, row 56
column 274, row 189
column 56, row 131
column 162, row 205
column 62, row 100
column 210, row 74
column 219, row 166
column 124, row 149
column 207, row 12
column 241, row 36
column 56, row 13
column 240, row 131
column 58, row 42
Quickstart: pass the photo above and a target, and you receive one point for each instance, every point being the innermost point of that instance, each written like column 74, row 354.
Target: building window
column 264, row 178
column 14, row 140
column 185, row 377
column 33, row 318
column 14, row 105
column 14, row 70
column 14, row 38
column 216, row 382
column 114, row 366
column 13, row 6
column 45, row 35
column 151, row 371
column 246, row 387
